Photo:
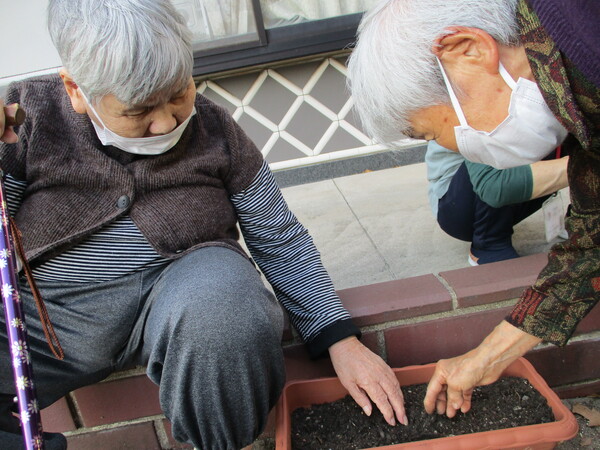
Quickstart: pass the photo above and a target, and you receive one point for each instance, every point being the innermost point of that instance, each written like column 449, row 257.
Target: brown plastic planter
column 540, row 437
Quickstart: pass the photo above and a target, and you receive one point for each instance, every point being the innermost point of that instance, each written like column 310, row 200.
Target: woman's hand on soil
column 367, row 377
column 451, row 386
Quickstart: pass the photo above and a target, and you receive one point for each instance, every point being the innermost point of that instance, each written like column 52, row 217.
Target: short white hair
column 392, row 72
column 136, row 50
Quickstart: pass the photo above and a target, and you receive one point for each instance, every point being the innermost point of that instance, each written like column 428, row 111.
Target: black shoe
column 478, row 257
column 13, row 441
column 10, row 430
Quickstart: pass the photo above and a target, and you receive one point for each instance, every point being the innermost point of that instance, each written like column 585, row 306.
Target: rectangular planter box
column 543, row 436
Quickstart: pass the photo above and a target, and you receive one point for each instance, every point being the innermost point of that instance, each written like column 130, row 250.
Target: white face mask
column 154, row 145
column 528, row 134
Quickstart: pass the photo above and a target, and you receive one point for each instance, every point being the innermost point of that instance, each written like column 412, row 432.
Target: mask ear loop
column 506, row 76
column 92, row 108
column 455, row 103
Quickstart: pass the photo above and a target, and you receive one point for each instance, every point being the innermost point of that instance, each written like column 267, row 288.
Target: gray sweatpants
column 205, row 326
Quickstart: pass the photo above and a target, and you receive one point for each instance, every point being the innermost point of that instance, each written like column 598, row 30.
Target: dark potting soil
column 342, row 425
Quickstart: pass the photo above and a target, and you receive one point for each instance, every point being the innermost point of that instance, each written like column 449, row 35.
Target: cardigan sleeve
column 284, row 251
column 568, row 288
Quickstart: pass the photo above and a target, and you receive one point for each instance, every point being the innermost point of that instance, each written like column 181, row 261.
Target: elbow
column 493, row 198
column 489, row 196
column 494, row 192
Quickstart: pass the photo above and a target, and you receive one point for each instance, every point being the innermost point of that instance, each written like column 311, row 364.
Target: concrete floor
column 377, row 226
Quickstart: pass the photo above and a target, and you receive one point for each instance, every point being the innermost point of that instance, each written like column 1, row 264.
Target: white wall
column 27, row 48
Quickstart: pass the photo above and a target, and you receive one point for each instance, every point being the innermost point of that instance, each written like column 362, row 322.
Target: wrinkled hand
column 367, row 377
column 6, row 132
column 451, row 386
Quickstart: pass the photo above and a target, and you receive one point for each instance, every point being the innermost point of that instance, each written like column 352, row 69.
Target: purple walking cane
column 29, row 411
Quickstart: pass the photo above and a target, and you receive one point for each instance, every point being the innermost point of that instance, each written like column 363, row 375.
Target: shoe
column 10, row 430
column 472, row 260
column 478, row 257
column 13, row 441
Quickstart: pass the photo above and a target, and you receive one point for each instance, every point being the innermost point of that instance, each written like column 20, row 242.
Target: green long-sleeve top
column 569, row 286
column 501, row 187
column 496, row 187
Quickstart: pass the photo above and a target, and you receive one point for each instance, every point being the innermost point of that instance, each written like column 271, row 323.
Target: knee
column 219, row 325
column 236, row 333
column 219, row 382
column 457, row 229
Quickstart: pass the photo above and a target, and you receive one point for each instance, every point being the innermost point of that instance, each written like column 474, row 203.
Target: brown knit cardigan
column 179, row 200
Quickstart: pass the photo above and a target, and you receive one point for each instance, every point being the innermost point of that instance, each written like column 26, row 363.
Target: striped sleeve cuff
column 330, row 335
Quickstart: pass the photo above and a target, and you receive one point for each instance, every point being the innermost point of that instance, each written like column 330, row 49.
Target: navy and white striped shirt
column 286, row 254
column 280, row 245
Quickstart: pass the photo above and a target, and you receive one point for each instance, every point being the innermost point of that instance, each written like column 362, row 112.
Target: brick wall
column 411, row 321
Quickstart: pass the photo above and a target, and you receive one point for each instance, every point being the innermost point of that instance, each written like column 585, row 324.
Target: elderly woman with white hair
column 128, row 187
column 503, row 82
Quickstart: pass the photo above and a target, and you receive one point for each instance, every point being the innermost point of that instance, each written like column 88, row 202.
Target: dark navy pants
column 463, row 215
column 205, row 326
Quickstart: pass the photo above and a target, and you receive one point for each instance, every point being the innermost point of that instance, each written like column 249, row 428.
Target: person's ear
column 73, row 91
column 470, row 49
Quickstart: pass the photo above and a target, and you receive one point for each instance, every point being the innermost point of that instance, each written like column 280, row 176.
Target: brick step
column 411, row 321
